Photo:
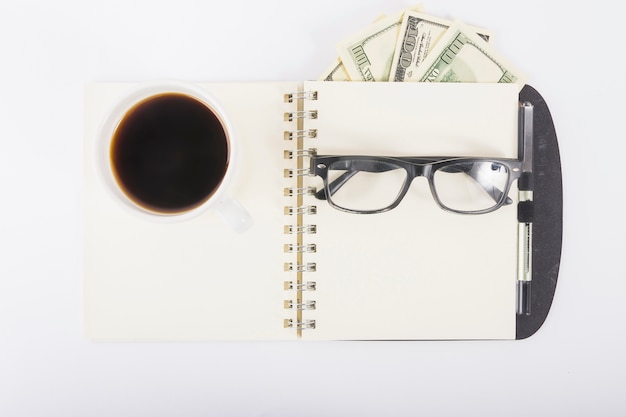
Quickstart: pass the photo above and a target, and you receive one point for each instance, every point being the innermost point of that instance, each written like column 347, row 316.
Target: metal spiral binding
column 305, row 286
column 291, row 211
column 308, row 267
column 300, row 95
column 309, row 229
column 296, row 191
column 299, row 325
column 300, row 134
column 308, row 248
column 290, row 173
column 297, row 209
column 308, row 114
column 304, row 305
column 300, row 152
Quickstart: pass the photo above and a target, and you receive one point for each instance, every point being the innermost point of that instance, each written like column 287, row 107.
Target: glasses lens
column 471, row 186
column 364, row 185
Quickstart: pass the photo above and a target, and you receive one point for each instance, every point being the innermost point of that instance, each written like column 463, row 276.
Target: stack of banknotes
column 414, row 46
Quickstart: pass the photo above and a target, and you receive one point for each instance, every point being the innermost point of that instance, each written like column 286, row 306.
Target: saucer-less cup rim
column 219, row 200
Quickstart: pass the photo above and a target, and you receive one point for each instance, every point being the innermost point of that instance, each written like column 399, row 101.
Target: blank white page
column 415, row 272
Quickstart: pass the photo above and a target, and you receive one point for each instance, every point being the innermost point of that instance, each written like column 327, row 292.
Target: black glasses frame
column 520, row 169
column 414, row 167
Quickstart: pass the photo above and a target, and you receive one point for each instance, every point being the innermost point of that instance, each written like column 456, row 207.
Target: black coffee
column 170, row 153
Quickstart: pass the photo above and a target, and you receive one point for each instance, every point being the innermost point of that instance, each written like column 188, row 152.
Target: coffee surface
column 170, row 153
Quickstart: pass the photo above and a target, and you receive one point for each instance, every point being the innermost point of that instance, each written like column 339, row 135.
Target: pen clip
column 525, row 151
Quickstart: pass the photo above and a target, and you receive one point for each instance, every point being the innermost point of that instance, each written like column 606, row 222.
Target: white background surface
column 575, row 365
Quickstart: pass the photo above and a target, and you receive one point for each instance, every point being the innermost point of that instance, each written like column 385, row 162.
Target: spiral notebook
column 306, row 270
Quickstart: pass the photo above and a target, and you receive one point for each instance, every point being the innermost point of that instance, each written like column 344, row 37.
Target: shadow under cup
column 169, row 153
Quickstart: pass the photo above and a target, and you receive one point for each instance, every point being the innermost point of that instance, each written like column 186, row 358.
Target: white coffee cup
column 171, row 163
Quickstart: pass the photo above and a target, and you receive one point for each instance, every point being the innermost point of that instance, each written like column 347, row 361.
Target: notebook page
column 415, row 272
column 198, row 279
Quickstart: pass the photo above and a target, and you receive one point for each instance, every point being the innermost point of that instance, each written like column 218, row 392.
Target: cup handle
column 234, row 214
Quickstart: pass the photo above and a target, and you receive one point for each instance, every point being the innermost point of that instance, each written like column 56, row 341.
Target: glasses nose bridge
column 419, row 170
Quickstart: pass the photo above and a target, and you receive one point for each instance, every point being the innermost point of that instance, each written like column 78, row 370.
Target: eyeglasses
column 373, row 184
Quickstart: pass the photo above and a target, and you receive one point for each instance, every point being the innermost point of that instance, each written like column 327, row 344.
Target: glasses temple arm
column 335, row 185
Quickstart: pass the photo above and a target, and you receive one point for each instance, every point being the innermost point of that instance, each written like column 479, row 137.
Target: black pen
column 525, row 211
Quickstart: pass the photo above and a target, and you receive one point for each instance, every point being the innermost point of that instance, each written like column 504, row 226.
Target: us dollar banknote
column 367, row 54
column 336, row 72
column 461, row 55
column 418, row 34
